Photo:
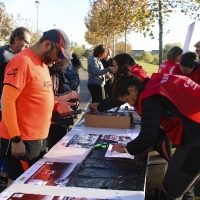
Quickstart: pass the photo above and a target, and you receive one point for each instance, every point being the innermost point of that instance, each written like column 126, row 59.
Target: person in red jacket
column 123, row 62
column 169, row 105
column 188, row 67
column 173, row 58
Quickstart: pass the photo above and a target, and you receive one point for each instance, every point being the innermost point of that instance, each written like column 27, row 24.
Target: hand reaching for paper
column 118, row 148
column 93, row 106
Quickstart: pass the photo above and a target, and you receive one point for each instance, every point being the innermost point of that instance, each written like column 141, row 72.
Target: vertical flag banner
column 188, row 37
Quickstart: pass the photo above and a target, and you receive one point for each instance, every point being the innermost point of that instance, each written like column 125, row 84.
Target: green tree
column 138, row 57
column 79, row 50
column 119, row 47
column 7, row 24
column 114, row 18
column 155, row 59
column 160, row 12
column 147, row 57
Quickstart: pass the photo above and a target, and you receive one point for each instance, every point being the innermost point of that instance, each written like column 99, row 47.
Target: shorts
column 35, row 150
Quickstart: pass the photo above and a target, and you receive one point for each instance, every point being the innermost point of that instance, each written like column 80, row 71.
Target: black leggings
column 97, row 92
column 183, row 173
column 56, row 133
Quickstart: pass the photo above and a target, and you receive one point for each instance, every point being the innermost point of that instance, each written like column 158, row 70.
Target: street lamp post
column 37, row 4
column 71, row 40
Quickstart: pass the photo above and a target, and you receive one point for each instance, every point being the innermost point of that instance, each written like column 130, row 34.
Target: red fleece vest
column 183, row 93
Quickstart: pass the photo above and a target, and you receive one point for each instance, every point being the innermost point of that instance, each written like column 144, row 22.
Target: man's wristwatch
column 16, row 139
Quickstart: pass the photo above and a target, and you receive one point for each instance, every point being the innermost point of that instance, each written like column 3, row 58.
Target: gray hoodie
column 96, row 71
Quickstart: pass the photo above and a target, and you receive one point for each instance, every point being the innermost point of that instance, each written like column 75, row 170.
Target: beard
column 47, row 57
column 61, row 66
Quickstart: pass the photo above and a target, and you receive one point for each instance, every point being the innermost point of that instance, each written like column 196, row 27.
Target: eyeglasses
column 60, row 54
column 21, row 38
column 197, row 50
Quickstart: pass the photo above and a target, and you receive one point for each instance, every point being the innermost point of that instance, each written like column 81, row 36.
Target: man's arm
column 9, row 115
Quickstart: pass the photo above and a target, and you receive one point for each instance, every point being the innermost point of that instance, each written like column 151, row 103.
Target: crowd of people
column 168, row 103
column 40, row 86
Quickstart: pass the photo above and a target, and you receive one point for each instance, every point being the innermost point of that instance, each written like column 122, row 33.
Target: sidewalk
column 84, row 93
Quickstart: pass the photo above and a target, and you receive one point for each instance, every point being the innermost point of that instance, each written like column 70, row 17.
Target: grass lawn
column 146, row 66
column 84, row 64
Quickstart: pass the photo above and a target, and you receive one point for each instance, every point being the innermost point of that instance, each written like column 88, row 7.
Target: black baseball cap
column 61, row 39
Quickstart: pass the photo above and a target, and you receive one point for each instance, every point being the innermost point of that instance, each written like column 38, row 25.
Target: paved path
column 84, row 92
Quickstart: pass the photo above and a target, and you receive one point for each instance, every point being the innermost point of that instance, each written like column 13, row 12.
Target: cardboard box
column 156, row 171
column 107, row 121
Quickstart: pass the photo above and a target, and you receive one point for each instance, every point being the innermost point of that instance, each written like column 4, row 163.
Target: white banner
column 188, row 37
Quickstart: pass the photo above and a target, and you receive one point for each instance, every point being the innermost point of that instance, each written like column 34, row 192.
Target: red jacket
column 137, row 70
column 195, row 76
column 182, row 92
column 167, row 67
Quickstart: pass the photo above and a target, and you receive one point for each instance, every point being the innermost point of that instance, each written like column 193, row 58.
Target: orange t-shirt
column 35, row 103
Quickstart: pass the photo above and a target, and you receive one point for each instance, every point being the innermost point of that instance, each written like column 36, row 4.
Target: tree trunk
column 160, row 33
column 125, row 41
column 107, row 39
column 113, row 43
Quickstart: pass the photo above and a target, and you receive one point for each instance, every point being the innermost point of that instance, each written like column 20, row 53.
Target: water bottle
column 126, row 112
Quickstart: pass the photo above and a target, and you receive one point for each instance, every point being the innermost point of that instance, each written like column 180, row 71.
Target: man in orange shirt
column 29, row 101
column 19, row 40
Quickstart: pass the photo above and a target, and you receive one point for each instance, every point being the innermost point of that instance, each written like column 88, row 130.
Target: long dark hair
column 188, row 60
column 121, row 86
column 76, row 61
column 98, row 50
column 124, row 62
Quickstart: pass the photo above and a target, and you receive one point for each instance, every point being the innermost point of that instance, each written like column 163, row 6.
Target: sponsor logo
column 165, row 78
column 12, row 72
column 190, row 83
column 47, row 84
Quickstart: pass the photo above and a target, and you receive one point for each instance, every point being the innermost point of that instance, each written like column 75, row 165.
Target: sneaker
column 3, row 180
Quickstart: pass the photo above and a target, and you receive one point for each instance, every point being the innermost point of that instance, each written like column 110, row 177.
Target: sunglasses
column 21, row 38
column 197, row 50
column 60, row 54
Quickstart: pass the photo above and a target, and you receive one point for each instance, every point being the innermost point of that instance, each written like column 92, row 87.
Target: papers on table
column 22, row 196
column 116, row 154
column 82, row 140
column 47, row 173
column 133, row 133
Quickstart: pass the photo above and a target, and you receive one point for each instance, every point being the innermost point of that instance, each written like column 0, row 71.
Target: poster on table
column 22, row 196
column 109, row 140
column 76, row 139
column 82, row 140
column 48, row 173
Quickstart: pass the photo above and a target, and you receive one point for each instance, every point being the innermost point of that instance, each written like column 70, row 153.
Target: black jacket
column 6, row 54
